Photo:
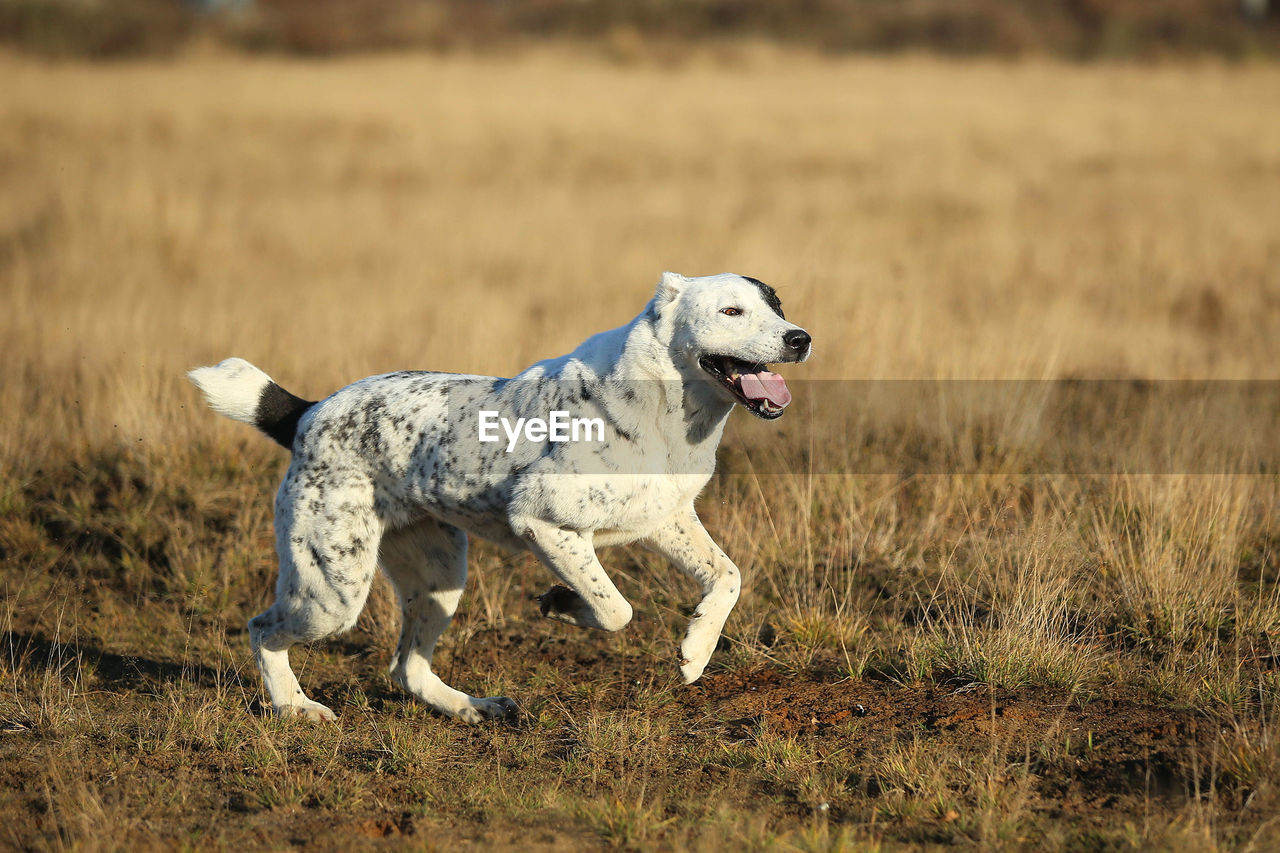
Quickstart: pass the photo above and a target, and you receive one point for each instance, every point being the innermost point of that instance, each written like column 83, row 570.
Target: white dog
column 396, row 469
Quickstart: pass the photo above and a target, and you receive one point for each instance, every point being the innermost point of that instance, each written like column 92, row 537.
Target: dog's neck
column 637, row 378
column 670, row 381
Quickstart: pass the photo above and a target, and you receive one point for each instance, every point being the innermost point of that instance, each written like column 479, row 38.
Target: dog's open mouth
column 764, row 394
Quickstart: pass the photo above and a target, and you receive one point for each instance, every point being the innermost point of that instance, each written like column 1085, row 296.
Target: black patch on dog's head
column 769, row 295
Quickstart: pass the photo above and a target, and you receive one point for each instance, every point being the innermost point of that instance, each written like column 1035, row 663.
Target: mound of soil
column 1104, row 750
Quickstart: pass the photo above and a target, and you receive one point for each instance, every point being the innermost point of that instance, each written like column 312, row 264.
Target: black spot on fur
column 278, row 414
column 769, row 295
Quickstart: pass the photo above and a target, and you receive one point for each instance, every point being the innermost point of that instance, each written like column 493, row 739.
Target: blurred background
column 977, row 189
column 1079, row 29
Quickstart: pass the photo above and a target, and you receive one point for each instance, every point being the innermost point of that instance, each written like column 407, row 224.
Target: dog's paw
column 492, row 708
column 695, row 654
column 691, row 671
column 307, row 710
column 562, row 604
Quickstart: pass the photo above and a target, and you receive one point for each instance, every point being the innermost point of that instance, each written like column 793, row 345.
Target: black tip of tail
column 278, row 414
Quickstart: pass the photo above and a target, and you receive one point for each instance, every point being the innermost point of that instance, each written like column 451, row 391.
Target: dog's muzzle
column 799, row 342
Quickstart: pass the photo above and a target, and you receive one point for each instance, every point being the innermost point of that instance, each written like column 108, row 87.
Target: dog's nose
column 797, row 339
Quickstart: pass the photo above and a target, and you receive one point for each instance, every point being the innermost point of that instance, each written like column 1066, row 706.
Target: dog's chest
column 629, row 505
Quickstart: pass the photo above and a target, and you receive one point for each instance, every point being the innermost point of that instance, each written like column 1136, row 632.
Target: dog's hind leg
column 427, row 563
column 685, row 542
column 590, row 599
column 327, row 560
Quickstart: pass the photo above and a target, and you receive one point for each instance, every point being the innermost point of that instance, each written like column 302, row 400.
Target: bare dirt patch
column 1113, row 751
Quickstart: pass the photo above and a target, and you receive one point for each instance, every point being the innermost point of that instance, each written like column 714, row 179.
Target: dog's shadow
column 88, row 665
column 21, row 652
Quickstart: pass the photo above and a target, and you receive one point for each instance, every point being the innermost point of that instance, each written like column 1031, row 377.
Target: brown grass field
column 984, row 660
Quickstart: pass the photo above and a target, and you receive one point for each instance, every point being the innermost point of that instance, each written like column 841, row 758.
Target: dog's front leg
column 590, row 599
column 684, row 541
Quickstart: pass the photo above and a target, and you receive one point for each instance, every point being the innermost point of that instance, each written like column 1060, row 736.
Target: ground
column 964, row 622
column 607, row 749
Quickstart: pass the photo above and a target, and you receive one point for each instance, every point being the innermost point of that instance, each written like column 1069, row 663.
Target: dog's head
column 731, row 328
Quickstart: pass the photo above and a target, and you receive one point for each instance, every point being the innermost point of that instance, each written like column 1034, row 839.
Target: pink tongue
column 765, row 386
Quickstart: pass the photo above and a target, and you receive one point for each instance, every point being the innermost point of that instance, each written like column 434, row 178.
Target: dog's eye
column 732, row 312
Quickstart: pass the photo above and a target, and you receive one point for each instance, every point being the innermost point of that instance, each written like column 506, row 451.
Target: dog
column 395, row 470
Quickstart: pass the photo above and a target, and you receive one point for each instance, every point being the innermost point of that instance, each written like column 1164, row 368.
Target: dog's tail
column 237, row 389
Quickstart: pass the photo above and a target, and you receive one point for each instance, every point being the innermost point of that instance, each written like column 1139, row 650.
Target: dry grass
column 922, row 219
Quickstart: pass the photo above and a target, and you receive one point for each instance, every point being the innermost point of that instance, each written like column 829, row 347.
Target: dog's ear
column 668, row 289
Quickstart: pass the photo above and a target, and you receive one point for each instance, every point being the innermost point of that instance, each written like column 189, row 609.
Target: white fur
column 232, row 387
column 390, row 471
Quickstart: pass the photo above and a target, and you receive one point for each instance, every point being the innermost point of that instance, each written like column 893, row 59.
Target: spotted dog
column 390, row 471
